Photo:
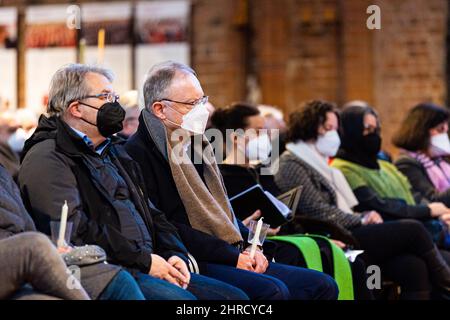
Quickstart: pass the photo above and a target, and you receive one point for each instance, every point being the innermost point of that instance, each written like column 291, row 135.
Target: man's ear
column 73, row 109
column 158, row 110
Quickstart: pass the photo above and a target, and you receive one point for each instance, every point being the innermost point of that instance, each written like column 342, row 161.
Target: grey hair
column 159, row 78
column 68, row 84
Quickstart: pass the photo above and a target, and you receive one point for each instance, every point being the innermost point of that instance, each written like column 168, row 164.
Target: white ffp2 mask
column 329, row 143
column 440, row 145
column 258, row 149
column 194, row 121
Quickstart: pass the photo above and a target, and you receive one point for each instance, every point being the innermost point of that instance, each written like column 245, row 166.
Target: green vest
column 387, row 181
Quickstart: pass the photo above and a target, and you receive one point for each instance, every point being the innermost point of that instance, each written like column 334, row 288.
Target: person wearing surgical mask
column 27, row 121
column 129, row 101
column 17, row 140
column 425, row 150
column 9, row 158
column 249, row 148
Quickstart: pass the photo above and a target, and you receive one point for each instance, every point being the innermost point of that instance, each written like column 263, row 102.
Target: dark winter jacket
column 148, row 148
column 58, row 165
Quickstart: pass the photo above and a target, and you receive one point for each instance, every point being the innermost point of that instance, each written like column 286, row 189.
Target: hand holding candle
column 255, row 240
column 62, row 227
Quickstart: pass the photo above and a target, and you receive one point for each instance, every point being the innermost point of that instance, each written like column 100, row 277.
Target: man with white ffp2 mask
column 196, row 117
column 193, row 197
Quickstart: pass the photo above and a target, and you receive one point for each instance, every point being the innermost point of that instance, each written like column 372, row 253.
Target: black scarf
column 352, row 140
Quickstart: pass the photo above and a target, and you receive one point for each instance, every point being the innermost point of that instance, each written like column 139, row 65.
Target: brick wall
column 409, row 59
column 357, row 52
column 219, row 48
column 304, row 49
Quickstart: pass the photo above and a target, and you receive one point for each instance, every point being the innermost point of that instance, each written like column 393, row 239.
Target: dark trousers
column 279, row 282
column 122, row 287
column 200, row 287
column 397, row 248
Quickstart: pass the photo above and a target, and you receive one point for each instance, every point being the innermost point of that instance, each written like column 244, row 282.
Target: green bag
column 311, row 252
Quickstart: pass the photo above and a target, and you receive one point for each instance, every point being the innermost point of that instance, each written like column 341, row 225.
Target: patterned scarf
column 438, row 170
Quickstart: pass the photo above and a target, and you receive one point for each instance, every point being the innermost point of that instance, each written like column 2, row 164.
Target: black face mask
column 371, row 144
column 109, row 118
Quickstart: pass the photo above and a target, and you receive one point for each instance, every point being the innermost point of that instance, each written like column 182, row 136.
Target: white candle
column 256, row 238
column 62, row 226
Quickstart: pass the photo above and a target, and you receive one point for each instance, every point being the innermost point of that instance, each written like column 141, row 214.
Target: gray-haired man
column 194, row 198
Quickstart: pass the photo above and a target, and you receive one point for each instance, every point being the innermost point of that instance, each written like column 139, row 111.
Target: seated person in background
column 424, row 143
column 27, row 122
column 243, row 161
column 239, row 175
column 168, row 142
column 382, row 155
column 326, row 195
column 274, row 119
column 377, row 184
column 129, row 102
column 74, row 156
column 8, row 157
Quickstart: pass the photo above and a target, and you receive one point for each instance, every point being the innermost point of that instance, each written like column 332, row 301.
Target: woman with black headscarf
column 377, row 184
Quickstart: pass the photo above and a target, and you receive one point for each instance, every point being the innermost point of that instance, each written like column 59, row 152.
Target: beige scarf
column 207, row 206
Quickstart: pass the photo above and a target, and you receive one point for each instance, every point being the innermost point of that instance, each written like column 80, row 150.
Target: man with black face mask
column 74, row 156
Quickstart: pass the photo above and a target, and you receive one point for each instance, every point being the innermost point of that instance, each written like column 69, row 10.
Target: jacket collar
column 66, row 140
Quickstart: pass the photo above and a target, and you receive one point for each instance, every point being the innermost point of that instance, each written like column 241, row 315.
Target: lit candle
column 62, row 226
column 101, row 45
column 256, row 238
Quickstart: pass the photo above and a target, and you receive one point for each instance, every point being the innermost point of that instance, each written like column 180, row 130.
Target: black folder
column 247, row 202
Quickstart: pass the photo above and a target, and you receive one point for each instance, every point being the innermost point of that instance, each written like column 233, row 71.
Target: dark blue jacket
column 147, row 148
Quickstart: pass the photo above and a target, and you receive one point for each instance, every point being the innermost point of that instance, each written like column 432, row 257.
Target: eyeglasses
column 108, row 96
column 202, row 100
